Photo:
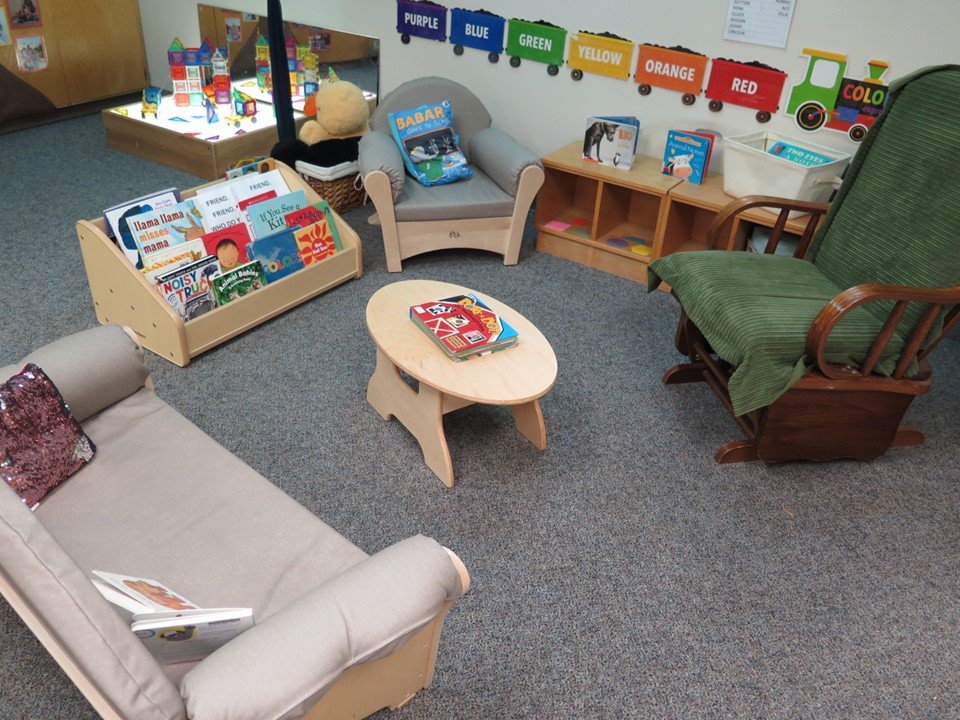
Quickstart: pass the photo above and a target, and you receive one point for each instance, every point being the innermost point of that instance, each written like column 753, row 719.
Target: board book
column 170, row 258
column 238, row 282
column 187, row 289
column 687, row 154
column 168, row 226
column 115, row 218
column 172, row 628
column 611, row 140
column 799, row 155
column 319, row 211
column 269, row 216
column 278, row 254
column 463, row 326
column 229, row 245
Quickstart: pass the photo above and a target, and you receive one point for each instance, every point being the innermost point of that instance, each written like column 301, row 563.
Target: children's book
column 168, row 226
column 171, row 627
column 238, row 282
column 315, row 213
column 611, row 140
column 278, row 254
column 115, row 218
column 315, row 242
column 187, row 289
column 250, row 189
column 687, row 155
column 228, row 245
column 218, row 207
column 463, row 326
column 268, row 217
column 170, row 258
column 799, row 155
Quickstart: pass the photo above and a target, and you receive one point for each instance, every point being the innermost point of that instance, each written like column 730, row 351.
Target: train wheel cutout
column 763, row 116
column 644, row 89
column 553, row 70
column 458, row 49
column 494, row 57
column 576, row 74
column 715, row 106
column 405, row 39
column 514, row 61
column 688, row 99
column 857, row 132
column 811, row 116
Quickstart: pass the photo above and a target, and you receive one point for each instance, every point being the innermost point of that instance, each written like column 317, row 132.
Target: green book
column 238, row 282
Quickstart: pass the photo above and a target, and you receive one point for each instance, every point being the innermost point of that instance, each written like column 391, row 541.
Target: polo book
column 268, row 217
column 168, row 226
column 278, row 254
column 174, row 629
column 463, row 326
column 115, row 219
column 228, row 245
column 239, row 281
column 188, row 289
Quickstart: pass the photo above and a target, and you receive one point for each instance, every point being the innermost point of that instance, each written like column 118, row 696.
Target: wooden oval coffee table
column 518, row 376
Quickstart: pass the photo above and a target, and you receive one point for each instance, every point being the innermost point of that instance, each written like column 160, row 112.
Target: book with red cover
column 463, row 326
column 228, row 245
column 316, row 213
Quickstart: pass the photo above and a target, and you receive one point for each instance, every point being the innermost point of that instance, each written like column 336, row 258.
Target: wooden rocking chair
column 818, row 356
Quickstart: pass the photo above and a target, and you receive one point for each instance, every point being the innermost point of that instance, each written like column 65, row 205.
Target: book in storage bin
column 123, row 296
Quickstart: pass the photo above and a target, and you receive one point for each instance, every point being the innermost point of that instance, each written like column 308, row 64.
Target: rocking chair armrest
column 730, row 211
column 901, row 295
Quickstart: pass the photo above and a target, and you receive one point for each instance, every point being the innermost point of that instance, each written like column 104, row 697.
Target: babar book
column 611, row 140
column 268, row 217
column 429, row 144
column 463, row 325
column 277, row 253
column 240, row 281
column 115, row 219
column 188, row 289
column 228, row 245
column 687, row 155
column 168, row 226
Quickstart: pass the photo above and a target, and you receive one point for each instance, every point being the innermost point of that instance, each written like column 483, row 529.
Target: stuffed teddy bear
column 342, row 117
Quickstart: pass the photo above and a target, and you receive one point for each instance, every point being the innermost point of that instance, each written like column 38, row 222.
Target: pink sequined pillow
column 41, row 444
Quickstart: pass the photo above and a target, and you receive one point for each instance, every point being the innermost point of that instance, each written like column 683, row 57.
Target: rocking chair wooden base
column 819, row 418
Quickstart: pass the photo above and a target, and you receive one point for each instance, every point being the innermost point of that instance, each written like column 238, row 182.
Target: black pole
column 280, row 74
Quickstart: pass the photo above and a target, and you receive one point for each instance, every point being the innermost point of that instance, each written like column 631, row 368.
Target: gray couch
column 487, row 211
column 162, row 500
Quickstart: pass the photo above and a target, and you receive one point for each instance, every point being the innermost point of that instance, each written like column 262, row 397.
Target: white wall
column 547, row 112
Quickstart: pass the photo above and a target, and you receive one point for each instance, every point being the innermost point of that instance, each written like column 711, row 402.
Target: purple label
column 422, row 20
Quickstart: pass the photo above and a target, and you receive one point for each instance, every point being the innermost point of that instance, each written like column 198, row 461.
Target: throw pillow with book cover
column 429, row 144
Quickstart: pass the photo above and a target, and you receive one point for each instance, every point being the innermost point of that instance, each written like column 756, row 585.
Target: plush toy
column 342, row 117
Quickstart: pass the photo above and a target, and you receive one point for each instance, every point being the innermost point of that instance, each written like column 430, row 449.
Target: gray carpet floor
column 620, row 573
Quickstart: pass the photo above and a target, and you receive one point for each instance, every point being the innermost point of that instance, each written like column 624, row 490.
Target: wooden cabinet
column 604, row 204
column 94, row 50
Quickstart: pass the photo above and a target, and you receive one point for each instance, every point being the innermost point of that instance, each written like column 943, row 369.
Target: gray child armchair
column 485, row 212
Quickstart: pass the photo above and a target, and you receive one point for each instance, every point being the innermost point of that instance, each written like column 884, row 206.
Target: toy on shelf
column 825, row 98
column 150, row 103
column 190, row 69
column 672, row 68
column 477, row 29
column 538, row 41
column 421, row 18
column 600, row 54
column 748, row 84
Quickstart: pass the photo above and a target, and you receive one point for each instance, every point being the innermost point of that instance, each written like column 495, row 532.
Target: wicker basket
column 340, row 186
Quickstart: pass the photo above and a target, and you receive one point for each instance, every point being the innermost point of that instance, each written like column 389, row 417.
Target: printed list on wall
column 762, row 22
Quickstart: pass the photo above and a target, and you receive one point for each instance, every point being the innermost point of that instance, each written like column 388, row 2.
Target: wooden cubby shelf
column 669, row 214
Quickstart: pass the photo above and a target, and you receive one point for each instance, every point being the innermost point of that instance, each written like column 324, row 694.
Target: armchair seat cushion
column 755, row 311
column 474, row 197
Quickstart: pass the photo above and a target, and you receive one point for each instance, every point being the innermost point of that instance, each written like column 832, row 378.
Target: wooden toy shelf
column 642, row 202
column 122, row 295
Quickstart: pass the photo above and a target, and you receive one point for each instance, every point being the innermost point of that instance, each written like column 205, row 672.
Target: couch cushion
column 475, row 197
column 755, row 311
column 163, row 500
column 80, row 621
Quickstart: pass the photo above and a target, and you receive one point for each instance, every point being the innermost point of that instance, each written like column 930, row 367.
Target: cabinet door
column 101, row 47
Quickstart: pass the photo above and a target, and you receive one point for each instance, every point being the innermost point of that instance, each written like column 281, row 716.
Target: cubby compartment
column 627, row 221
column 570, row 200
column 685, row 228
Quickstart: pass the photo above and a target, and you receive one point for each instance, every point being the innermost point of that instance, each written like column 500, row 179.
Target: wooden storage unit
column 122, row 295
column 670, row 214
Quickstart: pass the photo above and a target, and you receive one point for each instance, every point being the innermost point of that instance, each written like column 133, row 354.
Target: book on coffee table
column 463, row 326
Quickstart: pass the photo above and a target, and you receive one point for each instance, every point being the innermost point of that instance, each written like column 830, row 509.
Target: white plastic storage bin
column 748, row 169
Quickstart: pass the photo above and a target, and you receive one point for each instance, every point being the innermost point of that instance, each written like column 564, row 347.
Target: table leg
column 420, row 411
column 529, row 420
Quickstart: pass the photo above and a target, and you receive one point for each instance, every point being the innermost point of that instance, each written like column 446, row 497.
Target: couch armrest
column 502, row 158
column 283, row 665
column 378, row 151
column 92, row 369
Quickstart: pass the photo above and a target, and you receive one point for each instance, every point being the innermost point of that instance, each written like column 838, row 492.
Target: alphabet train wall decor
column 823, row 99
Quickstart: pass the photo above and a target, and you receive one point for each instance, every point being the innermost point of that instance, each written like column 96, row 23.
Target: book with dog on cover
column 171, row 627
column 463, row 326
